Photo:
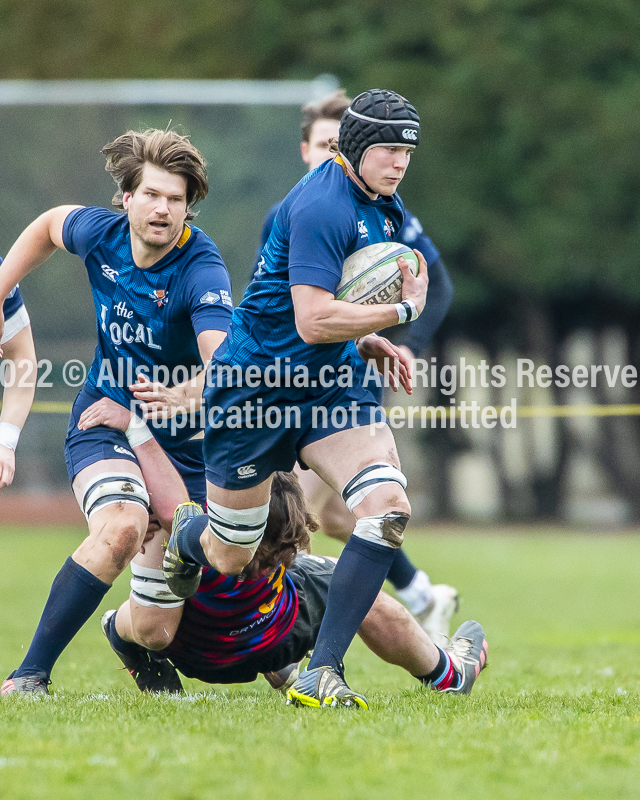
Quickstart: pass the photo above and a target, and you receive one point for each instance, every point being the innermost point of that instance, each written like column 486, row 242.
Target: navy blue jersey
column 15, row 314
column 417, row 335
column 323, row 220
column 147, row 318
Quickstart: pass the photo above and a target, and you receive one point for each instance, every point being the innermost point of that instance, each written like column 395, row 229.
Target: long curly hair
column 288, row 527
column 167, row 150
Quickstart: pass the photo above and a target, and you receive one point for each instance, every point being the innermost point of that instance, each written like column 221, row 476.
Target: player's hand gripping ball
column 371, row 275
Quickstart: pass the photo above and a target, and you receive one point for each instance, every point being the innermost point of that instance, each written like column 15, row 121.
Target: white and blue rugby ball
column 371, row 275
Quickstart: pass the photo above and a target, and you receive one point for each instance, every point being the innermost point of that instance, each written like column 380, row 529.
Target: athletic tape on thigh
column 149, row 588
column 242, row 527
column 368, row 479
column 112, row 487
column 387, row 530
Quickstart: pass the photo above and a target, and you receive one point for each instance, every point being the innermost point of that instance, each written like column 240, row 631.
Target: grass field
column 556, row 714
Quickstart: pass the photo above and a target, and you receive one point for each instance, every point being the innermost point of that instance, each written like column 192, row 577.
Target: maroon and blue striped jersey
column 229, row 620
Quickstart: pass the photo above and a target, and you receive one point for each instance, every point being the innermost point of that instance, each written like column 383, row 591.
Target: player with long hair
column 163, row 303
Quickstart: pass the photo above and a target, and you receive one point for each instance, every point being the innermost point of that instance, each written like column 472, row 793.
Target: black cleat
column 182, row 577
column 150, row 674
column 28, row 684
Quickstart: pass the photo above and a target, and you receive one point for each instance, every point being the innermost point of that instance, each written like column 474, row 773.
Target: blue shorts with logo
column 83, row 448
column 243, row 449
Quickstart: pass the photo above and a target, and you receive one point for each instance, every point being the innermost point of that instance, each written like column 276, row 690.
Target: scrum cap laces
column 376, row 117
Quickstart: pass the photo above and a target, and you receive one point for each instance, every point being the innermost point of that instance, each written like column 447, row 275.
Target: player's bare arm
column 160, row 401
column 321, row 319
column 17, row 398
column 165, row 486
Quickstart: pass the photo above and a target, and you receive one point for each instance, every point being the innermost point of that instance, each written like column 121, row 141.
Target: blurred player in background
column 432, row 605
column 289, row 315
column 163, row 304
column 20, row 378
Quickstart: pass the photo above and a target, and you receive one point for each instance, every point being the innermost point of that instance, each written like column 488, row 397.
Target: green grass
column 556, row 715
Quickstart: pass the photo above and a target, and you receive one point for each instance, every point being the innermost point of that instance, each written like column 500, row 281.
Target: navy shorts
column 83, row 448
column 311, row 575
column 271, row 426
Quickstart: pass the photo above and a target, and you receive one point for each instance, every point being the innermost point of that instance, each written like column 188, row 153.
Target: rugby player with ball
column 290, row 314
column 432, row 605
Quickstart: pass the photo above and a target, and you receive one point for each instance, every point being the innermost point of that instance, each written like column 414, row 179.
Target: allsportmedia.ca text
column 426, row 373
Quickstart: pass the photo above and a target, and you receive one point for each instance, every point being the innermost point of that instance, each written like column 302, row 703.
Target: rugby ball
column 371, row 275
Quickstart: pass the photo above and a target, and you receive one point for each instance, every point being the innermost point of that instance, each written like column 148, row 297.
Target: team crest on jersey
column 161, row 297
column 362, row 228
column 109, row 272
column 210, row 297
column 389, row 228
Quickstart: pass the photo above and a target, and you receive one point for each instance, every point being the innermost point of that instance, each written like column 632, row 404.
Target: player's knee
column 227, row 559
column 154, row 624
column 233, row 536
column 386, row 529
column 112, row 489
column 388, row 483
column 124, row 534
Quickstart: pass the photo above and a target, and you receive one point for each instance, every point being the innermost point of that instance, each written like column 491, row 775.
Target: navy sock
column 75, row 594
column 119, row 644
column 188, row 540
column 402, row 571
column 355, row 583
column 443, row 675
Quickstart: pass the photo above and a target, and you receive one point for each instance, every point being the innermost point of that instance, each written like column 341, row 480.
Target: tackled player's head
column 288, row 527
column 167, row 150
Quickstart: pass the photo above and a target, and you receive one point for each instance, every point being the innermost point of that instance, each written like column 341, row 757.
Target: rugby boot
column 182, row 577
column 28, row 684
column 323, row 687
column 283, row 678
column 150, row 674
column 468, row 652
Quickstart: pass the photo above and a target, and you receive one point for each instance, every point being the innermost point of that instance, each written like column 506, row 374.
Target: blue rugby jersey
column 412, row 234
column 228, row 620
column 150, row 317
column 323, row 220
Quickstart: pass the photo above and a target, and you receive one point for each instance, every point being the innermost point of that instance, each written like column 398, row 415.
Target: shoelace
column 460, row 649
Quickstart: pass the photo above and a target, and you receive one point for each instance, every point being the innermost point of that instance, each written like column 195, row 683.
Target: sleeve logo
column 210, row 298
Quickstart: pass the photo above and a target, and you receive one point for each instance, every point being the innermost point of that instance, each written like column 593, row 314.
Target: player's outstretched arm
column 19, row 391
column 32, row 248
column 321, row 319
column 165, row 486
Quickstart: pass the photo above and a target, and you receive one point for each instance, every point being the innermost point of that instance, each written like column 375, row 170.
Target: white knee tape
column 149, row 588
column 112, row 487
column 244, row 527
column 369, row 479
column 387, row 530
